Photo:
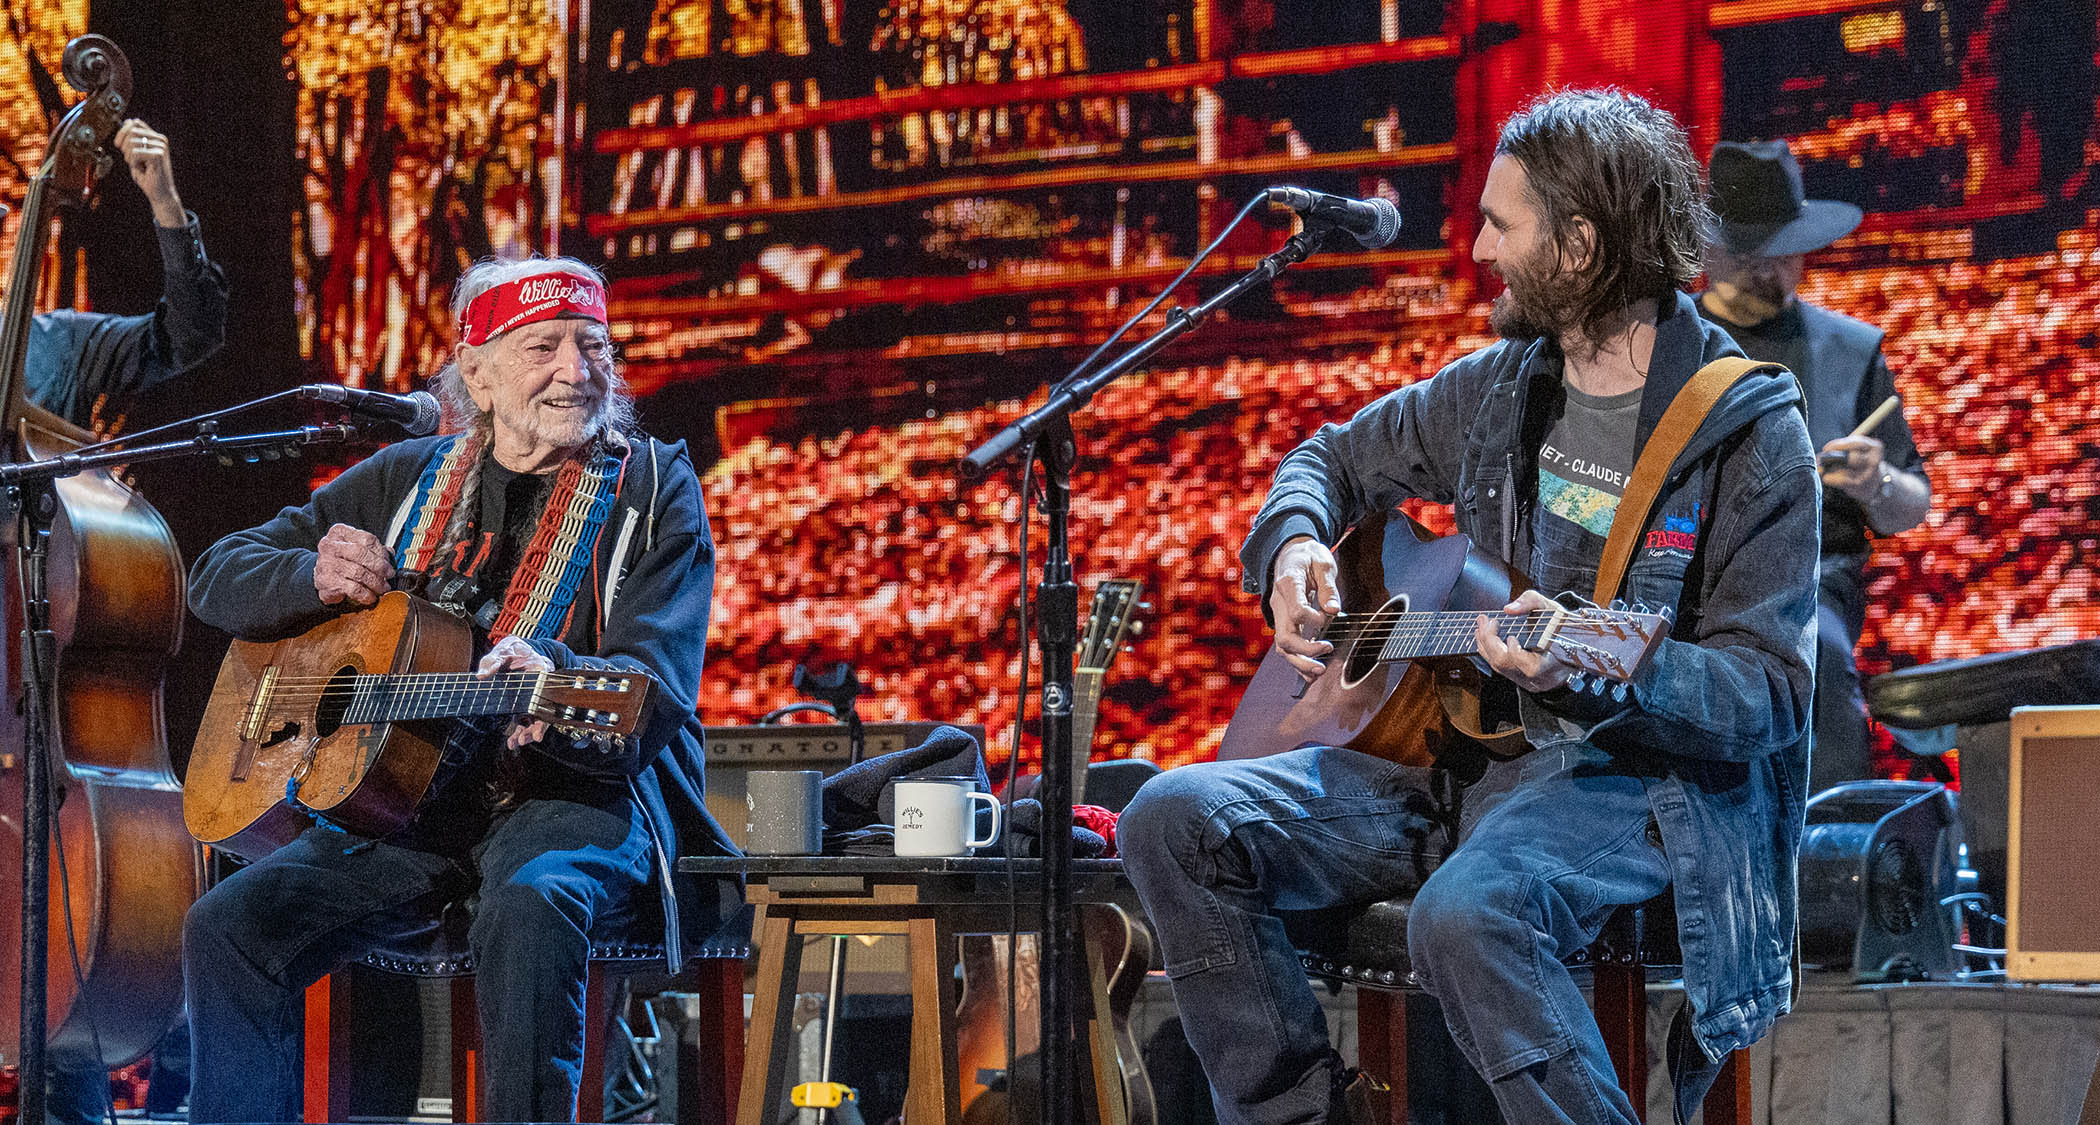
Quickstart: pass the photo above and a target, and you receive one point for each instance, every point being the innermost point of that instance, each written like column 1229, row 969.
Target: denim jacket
column 1716, row 723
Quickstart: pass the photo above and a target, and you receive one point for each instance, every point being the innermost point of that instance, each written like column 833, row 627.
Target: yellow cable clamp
column 822, row 1095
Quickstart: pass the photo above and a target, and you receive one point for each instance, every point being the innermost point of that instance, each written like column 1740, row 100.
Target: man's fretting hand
column 1532, row 671
column 513, row 655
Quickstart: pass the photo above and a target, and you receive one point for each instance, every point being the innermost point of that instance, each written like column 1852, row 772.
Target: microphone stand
column 30, row 487
column 1046, row 433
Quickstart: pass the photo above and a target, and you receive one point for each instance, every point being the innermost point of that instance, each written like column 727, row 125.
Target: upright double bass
column 124, row 871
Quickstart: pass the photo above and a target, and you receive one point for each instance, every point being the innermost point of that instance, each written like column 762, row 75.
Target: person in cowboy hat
column 1874, row 482
column 572, row 542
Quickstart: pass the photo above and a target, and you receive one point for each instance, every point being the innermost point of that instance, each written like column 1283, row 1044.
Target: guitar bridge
column 259, row 705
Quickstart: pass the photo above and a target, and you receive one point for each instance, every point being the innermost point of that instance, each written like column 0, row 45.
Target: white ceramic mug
column 934, row 816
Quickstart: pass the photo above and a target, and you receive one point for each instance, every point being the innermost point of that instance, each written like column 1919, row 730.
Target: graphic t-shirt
column 1584, row 463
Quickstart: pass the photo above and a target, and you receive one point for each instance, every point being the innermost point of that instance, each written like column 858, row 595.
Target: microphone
column 416, row 412
column 1372, row 222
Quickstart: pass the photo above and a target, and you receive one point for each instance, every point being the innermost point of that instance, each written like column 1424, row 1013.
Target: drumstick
column 1831, row 458
column 1881, row 413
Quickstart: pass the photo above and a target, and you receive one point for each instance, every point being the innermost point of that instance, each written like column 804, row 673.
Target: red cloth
column 529, row 300
column 1100, row 821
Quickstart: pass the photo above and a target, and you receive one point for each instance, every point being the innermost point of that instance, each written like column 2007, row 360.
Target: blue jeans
column 1215, row 850
column 549, row 872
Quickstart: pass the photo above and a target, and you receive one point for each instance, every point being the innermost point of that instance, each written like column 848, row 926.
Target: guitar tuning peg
column 1618, row 692
column 1669, row 614
column 1147, row 607
column 1576, row 681
column 1599, row 687
column 1640, row 607
column 1618, row 605
column 1137, row 627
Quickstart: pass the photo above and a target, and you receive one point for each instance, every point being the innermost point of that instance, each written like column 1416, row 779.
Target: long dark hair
column 1615, row 159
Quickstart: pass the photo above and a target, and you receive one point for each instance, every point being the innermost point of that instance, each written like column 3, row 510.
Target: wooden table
column 930, row 902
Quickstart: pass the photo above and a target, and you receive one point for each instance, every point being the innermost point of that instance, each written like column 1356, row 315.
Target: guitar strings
column 1452, row 625
column 1447, row 624
column 308, row 689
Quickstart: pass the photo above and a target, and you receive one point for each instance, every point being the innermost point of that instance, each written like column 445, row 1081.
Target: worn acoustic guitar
column 1399, row 683
column 350, row 719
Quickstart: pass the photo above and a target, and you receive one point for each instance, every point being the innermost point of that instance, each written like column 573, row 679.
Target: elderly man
column 573, row 543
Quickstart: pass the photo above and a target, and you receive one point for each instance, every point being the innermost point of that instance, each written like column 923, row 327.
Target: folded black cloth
column 860, row 804
column 1025, row 821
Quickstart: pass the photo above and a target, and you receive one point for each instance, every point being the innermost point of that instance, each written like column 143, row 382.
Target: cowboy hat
column 1757, row 194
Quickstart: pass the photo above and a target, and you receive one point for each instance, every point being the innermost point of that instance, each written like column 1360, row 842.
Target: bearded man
column 1592, row 214
column 572, row 542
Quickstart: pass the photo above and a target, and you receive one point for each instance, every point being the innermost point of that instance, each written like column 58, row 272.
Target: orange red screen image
column 848, row 242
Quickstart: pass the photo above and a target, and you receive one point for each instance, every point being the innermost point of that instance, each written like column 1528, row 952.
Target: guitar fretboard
column 397, row 698
column 1413, row 635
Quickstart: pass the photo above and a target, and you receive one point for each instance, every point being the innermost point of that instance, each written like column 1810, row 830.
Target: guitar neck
column 1086, row 709
column 1414, row 635
column 406, row 697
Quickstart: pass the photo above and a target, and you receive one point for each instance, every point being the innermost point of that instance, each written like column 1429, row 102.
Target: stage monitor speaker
column 1879, row 859
column 2052, row 876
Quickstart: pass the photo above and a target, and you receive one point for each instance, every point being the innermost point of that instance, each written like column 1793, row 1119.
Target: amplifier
column 2052, row 884
column 733, row 752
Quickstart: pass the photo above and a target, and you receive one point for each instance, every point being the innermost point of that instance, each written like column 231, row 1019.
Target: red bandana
column 529, row 300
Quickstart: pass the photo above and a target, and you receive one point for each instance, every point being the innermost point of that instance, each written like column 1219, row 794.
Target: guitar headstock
column 592, row 703
column 1606, row 645
column 1110, row 619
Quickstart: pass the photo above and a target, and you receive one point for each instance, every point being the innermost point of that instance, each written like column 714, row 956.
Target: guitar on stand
column 981, row 1017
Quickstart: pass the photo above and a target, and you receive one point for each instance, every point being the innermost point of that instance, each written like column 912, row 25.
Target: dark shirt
column 1784, row 339
column 506, row 515
column 76, row 359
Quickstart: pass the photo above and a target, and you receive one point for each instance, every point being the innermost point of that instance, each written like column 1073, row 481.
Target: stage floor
column 1915, row 1054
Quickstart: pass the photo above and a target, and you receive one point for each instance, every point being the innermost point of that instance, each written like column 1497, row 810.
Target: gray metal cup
column 786, row 812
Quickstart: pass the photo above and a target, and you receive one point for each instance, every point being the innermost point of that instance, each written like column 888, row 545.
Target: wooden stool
column 929, row 902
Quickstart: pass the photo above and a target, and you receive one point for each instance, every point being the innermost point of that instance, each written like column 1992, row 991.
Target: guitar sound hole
column 1360, row 650
column 335, row 700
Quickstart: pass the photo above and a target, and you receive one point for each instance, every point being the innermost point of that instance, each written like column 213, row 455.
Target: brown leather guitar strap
column 1671, row 435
